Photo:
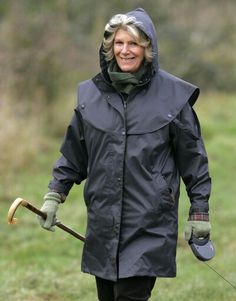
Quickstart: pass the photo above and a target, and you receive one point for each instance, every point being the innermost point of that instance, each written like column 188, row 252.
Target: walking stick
column 26, row 204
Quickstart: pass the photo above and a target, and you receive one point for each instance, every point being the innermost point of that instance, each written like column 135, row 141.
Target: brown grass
column 20, row 138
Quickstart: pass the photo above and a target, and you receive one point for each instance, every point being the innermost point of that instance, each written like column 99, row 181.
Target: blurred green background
column 46, row 48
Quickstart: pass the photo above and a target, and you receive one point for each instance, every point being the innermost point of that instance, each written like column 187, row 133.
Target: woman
column 134, row 134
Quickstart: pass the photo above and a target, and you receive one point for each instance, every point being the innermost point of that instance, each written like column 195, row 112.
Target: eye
column 133, row 43
column 118, row 43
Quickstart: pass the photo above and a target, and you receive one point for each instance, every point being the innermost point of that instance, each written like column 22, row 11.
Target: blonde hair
column 131, row 25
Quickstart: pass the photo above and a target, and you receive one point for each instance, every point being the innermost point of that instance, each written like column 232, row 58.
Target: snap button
column 116, row 229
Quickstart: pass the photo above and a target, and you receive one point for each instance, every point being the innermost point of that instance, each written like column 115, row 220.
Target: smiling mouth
column 127, row 59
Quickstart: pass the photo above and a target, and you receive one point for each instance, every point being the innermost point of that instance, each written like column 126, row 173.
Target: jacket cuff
column 199, row 216
column 62, row 189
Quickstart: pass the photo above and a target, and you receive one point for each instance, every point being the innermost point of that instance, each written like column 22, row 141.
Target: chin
column 128, row 69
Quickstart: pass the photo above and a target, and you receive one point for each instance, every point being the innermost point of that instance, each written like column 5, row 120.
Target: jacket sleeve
column 191, row 158
column 71, row 167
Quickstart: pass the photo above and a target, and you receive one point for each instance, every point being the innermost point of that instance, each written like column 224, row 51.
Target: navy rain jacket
column 132, row 158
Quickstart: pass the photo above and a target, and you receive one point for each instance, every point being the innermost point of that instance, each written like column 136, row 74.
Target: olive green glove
column 50, row 206
column 199, row 228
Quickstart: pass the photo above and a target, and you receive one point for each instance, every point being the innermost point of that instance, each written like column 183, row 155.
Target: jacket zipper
column 120, row 221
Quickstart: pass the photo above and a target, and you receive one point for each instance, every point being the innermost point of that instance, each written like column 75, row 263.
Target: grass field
column 37, row 265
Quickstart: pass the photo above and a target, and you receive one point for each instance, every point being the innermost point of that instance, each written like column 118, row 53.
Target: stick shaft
column 35, row 210
column 70, row 231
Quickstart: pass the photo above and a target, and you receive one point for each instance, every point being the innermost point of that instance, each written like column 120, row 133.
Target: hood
column 147, row 26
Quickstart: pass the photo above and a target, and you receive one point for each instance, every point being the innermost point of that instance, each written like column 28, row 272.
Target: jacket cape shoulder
column 150, row 110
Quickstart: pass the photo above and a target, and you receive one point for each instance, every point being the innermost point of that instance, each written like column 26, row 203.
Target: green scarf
column 124, row 82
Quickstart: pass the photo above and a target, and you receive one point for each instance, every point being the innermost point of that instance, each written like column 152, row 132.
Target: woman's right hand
column 50, row 207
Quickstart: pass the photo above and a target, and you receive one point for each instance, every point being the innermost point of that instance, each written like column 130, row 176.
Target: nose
column 125, row 49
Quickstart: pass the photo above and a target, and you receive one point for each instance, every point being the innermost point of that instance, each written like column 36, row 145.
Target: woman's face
column 128, row 54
